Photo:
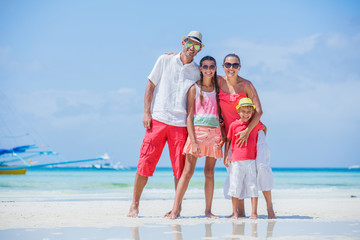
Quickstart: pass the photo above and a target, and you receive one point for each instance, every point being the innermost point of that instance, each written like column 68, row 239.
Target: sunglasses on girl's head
column 206, row 67
column 196, row 46
column 234, row 65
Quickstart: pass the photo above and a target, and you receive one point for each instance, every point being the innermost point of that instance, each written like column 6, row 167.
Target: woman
column 204, row 134
column 232, row 89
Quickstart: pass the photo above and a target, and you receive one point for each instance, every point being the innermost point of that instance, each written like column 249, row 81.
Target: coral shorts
column 207, row 139
column 153, row 145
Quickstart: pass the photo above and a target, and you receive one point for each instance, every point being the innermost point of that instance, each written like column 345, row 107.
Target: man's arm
column 149, row 92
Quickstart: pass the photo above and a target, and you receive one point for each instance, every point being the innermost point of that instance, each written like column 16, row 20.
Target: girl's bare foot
column 210, row 215
column 133, row 211
column 271, row 213
column 173, row 215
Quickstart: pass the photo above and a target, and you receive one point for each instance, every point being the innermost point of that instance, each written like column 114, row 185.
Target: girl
column 204, row 134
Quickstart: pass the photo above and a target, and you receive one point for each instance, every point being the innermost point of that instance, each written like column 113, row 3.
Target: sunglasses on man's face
column 234, row 65
column 206, row 67
column 196, row 46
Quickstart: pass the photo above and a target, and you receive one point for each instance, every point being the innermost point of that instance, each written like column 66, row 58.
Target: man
column 165, row 113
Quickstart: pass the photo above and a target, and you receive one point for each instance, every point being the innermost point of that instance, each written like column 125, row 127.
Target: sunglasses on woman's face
column 196, row 46
column 206, row 67
column 234, row 65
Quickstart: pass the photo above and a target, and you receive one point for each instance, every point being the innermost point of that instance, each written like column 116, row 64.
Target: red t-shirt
column 244, row 152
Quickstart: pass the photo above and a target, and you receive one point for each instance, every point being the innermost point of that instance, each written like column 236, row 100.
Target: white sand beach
column 105, row 214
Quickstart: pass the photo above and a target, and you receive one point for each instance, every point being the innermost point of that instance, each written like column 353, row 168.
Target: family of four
column 196, row 112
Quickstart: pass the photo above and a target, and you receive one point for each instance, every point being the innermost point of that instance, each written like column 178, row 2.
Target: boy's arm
column 226, row 154
column 190, row 119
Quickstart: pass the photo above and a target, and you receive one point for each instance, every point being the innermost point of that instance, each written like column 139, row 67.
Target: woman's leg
column 269, row 205
column 209, row 185
column 241, row 208
column 189, row 168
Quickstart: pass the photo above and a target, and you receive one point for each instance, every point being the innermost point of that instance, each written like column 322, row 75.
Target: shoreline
column 333, row 218
column 112, row 213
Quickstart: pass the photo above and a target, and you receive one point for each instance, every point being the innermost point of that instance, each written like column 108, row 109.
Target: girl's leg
column 190, row 163
column 254, row 203
column 269, row 205
column 235, row 202
column 209, row 185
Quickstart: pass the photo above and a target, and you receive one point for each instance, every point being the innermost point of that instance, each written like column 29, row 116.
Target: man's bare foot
column 271, row 213
column 253, row 216
column 210, row 215
column 241, row 214
column 133, row 211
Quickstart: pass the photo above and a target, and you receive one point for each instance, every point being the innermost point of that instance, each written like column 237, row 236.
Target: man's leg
column 150, row 152
column 140, row 182
column 176, row 138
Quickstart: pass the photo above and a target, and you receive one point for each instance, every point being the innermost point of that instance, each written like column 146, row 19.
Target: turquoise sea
column 58, row 184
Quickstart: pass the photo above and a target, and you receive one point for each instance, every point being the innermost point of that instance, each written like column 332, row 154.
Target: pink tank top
column 206, row 114
column 228, row 103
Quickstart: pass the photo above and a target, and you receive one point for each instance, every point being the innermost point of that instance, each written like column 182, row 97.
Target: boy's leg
column 209, row 185
column 188, row 172
column 269, row 205
column 254, row 203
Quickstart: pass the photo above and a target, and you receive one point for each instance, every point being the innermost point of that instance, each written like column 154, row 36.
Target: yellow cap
column 245, row 102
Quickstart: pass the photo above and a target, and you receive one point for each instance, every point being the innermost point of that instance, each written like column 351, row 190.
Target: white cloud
column 272, row 57
column 72, row 107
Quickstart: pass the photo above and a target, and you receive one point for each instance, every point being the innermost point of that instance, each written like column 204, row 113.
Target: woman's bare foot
column 233, row 216
column 271, row 213
column 210, row 215
column 133, row 211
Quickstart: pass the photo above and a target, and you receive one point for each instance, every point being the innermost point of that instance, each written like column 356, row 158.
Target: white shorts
column 241, row 181
column 265, row 179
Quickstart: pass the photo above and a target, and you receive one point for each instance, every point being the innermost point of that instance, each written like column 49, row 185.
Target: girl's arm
column 226, row 154
column 250, row 91
column 190, row 119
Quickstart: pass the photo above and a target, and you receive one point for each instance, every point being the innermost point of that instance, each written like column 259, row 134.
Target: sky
column 73, row 73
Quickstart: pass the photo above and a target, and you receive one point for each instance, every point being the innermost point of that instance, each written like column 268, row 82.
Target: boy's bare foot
column 210, row 215
column 271, row 213
column 133, row 211
column 253, row 216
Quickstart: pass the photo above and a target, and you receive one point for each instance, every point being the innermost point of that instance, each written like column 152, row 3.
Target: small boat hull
column 3, row 170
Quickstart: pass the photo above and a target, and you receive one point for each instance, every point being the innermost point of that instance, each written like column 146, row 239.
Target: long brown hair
column 213, row 81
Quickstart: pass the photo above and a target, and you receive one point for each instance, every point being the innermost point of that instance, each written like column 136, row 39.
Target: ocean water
column 60, row 184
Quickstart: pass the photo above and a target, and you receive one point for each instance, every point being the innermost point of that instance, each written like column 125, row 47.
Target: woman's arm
column 251, row 93
column 190, row 119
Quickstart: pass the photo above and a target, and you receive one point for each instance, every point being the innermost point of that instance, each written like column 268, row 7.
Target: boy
column 242, row 172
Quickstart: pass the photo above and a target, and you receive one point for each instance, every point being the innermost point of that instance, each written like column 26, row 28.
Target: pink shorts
column 208, row 139
column 153, row 145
